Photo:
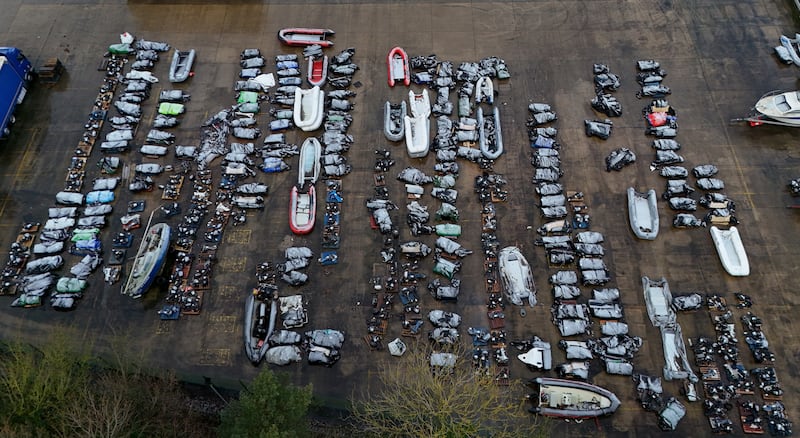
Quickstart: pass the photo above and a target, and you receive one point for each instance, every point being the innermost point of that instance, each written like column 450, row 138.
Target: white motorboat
column 308, row 108
column 778, row 108
column 515, row 273
column 731, row 251
column 643, row 213
column 417, row 133
column 572, row 399
column 308, row 170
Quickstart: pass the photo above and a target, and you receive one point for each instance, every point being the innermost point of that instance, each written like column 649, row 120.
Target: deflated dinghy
column 643, row 213
column 731, row 251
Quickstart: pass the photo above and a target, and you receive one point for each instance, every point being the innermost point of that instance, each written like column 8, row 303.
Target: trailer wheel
column 28, row 77
column 11, row 120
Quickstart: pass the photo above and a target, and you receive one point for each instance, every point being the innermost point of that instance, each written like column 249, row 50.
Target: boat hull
column 255, row 347
column 181, row 67
column 149, row 260
column 394, row 120
column 658, row 301
column 417, row 132
column 643, row 213
column 515, row 274
column 731, row 251
column 397, row 66
column 783, row 108
column 308, row 170
column 308, row 108
column 578, row 397
column 484, row 90
column 303, row 36
column 302, row 210
column 419, row 104
column 491, row 143
column 317, row 70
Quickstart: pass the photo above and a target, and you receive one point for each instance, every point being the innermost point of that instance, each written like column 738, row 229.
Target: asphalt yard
column 719, row 60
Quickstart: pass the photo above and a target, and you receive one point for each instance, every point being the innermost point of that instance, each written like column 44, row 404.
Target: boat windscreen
column 782, row 104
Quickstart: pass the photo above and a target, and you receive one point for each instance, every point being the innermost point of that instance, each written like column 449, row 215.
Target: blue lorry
column 16, row 74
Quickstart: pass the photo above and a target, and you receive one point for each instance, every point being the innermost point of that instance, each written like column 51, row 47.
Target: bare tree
column 100, row 410
column 412, row 400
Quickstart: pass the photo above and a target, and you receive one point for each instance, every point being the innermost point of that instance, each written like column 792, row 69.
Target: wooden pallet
column 495, row 199
column 177, row 187
column 27, row 234
column 83, row 149
column 771, row 397
column 199, row 295
column 50, row 72
column 501, row 376
column 379, row 329
column 496, row 321
column 710, row 373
